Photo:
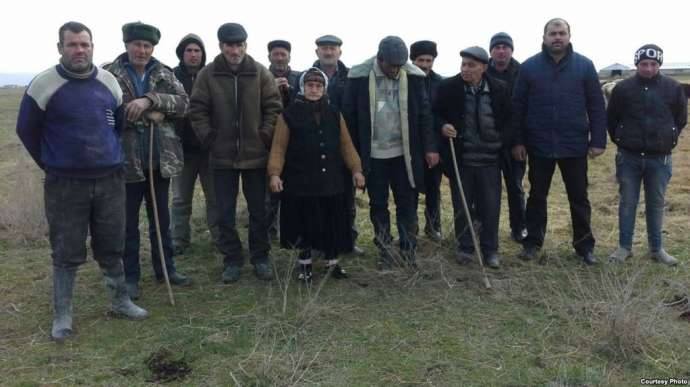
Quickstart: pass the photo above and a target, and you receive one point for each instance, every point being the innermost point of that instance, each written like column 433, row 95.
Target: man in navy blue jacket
column 70, row 120
column 559, row 119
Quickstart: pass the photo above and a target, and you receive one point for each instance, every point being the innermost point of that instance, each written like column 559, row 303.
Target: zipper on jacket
column 238, row 141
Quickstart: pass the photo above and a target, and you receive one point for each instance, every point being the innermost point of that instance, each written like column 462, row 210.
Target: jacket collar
column 247, row 66
column 362, row 70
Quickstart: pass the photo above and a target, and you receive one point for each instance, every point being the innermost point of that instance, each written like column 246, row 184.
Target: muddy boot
column 63, row 285
column 122, row 305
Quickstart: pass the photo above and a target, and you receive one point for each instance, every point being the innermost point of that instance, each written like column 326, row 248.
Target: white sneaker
column 663, row 257
column 620, row 255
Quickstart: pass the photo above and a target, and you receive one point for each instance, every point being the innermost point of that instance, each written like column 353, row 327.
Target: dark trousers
column 349, row 199
column 391, row 174
column 482, row 187
column 272, row 202
column 574, row 173
column 513, row 174
column 195, row 165
column 227, row 184
column 136, row 192
column 76, row 206
column 432, row 199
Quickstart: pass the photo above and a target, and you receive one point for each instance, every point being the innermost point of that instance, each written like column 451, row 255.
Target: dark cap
column 476, row 53
column 649, row 51
column 328, row 40
column 140, row 31
column 279, row 43
column 501, row 38
column 423, row 47
column 392, row 50
column 231, row 33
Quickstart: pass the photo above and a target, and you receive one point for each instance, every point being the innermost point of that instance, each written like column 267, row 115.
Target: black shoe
column 433, row 235
column 492, row 260
column 336, row 272
column 178, row 279
column 305, row 274
column 464, row 258
column 231, row 274
column 357, row 250
column 589, row 259
column 528, row 253
column 518, row 235
column 179, row 250
column 263, row 271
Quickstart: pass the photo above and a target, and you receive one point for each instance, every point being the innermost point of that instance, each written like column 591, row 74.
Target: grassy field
column 553, row 324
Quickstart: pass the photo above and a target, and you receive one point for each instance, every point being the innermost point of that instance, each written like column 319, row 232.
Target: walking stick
column 475, row 241
column 155, row 217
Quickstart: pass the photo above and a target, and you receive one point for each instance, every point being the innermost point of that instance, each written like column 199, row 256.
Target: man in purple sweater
column 70, row 122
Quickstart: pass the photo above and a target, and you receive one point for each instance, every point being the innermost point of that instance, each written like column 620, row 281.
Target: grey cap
column 476, row 53
column 328, row 40
column 232, row 33
column 393, row 50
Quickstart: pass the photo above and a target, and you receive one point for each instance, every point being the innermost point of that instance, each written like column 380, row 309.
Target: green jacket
column 234, row 113
column 168, row 97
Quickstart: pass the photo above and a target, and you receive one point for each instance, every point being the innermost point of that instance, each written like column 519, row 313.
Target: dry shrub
column 625, row 312
column 22, row 215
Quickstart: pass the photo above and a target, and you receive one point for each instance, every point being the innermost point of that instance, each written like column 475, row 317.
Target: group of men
column 111, row 137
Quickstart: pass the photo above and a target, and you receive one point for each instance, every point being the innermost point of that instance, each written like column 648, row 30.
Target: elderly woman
column 311, row 146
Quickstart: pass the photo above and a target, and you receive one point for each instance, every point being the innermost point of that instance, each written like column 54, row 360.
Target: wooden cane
column 475, row 241
column 155, row 217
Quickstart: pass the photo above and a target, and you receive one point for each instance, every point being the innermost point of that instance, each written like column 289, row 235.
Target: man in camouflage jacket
column 154, row 98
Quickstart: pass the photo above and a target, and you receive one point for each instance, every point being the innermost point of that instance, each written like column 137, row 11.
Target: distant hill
column 19, row 79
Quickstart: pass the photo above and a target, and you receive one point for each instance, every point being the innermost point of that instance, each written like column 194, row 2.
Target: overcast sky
column 605, row 31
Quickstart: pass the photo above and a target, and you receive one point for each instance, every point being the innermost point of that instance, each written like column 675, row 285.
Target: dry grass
column 556, row 324
column 22, row 216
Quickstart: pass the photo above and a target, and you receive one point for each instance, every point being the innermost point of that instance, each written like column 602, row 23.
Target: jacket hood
column 191, row 38
column 362, row 70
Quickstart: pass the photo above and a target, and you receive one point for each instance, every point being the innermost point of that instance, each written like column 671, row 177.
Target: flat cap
column 232, row 33
column 476, row 53
column 392, row 50
column 328, row 40
column 279, row 43
column 140, row 31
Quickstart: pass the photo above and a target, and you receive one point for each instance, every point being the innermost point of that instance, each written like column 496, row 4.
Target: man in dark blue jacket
column 559, row 119
column 645, row 116
column 388, row 112
column 70, row 120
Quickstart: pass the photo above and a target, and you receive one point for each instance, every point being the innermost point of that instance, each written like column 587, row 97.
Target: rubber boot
column 63, row 286
column 122, row 305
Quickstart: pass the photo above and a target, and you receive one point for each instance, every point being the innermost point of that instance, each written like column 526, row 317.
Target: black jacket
column 190, row 142
column 509, row 76
column 336, row 85
column 647, row 115
column 450, row 107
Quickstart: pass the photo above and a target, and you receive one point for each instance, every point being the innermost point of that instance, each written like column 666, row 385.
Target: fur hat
column 140, row 31
column 232, row 33
column 423, row 47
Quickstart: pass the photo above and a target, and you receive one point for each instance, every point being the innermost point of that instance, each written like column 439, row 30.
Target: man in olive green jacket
column 153, row 98
column 234, row 106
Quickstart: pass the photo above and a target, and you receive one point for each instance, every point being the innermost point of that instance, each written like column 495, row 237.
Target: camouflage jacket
column 168, row 97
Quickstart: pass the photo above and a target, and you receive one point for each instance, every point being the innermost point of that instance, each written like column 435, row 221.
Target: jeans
column 482, row 187
column 136, row 192
column 76, row 206
column 227, row 184
column 513, row 174
column 574, row 173
column 391, row 174
column 195, row 164
column 655, row 172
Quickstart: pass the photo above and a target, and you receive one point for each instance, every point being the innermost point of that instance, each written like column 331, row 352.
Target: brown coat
column 234, row 113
